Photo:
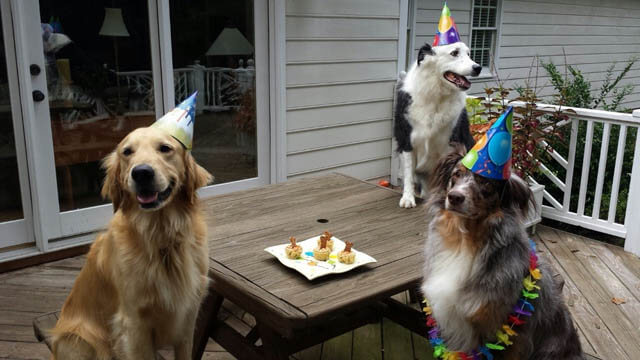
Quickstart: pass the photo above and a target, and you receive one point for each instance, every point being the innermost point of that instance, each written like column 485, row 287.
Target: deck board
column 593, row 272
column 585, row 317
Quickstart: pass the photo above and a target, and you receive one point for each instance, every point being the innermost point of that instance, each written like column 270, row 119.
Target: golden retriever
column 146, row 275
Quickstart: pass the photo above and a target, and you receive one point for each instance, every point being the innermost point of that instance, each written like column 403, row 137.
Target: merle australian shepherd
column 477, row 255
column 430, row 112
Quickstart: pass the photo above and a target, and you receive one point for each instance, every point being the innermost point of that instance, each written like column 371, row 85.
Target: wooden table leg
column 274, row 346
column 207, row 318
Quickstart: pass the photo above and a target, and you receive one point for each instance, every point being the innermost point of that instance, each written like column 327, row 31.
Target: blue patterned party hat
column 179, row 121
column 491, row 155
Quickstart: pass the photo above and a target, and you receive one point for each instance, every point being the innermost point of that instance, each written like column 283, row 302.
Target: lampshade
column 230, row 42
column 113, row 24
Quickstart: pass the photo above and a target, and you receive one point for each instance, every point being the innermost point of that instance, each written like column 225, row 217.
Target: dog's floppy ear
column 111, row 187
column 196, row 177
column 442, row 173
column 517, row 195
column 425, row 50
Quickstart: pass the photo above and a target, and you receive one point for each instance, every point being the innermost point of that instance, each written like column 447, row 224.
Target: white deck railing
column 220, row 88
column 560, row 208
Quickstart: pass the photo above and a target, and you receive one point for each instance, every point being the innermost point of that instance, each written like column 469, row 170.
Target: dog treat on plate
column 347, row 256
column 322, row 252
column 293, row 251
column 328, row 236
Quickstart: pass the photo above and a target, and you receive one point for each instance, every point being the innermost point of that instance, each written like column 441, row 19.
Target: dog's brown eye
column 165, row 148
column 454, row 53
column 127, row 151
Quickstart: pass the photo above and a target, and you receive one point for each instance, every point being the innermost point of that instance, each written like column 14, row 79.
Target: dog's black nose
column 143, row 174
column 455, row 198
column 476, row 70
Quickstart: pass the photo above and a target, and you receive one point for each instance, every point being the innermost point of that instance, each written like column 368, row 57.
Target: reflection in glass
column 100, row 87
column 10, row 201
column 213, row 52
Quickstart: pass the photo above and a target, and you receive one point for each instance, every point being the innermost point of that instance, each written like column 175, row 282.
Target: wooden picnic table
column 293, row 313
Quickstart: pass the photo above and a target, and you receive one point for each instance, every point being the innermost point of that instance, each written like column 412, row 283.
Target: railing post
column 632, row 241
column 197, row 81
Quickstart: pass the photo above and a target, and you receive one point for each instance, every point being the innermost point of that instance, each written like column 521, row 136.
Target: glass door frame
column 18, row 231
column 75, row 227
column 262, row 65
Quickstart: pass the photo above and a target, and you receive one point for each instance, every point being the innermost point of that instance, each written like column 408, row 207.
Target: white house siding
column 341, row 66
column 593, row 34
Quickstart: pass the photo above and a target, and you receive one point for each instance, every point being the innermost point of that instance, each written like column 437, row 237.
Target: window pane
column 213, row 52
column 484, row 13
column 100, row 87
column 482, row 46
column 10, row 200
column 491, row 20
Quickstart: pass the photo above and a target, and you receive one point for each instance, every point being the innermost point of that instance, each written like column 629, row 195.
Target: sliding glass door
column 86, row 73
column 15, row 211
column 219, row 48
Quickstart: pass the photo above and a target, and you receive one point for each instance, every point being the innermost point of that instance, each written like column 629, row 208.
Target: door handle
column 37, row 95
column 34, row 69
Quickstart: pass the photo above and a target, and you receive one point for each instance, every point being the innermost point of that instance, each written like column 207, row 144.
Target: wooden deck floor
column 594, row 274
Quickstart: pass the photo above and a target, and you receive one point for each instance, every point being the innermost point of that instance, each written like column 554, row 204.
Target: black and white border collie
column 430, row 112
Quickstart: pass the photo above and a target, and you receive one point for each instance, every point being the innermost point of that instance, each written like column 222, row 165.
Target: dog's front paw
column 407, row 201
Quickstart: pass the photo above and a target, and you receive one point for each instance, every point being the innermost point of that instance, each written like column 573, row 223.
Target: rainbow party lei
column 522, row 309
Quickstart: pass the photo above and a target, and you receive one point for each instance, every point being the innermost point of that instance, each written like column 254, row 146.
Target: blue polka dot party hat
column 491, row 155
column 179, row 121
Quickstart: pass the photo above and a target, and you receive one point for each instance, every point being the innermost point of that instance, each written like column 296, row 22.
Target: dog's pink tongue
column 145, row 199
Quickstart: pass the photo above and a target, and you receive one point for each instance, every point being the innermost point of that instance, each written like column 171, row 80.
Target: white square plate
column 311, row 268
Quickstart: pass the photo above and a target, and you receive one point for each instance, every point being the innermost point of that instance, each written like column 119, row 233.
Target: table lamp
column 113, row 25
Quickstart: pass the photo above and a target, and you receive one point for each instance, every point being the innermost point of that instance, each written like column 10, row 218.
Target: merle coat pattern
column 474, row 266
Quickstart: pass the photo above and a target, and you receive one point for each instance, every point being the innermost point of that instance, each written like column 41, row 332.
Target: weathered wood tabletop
column 243, row 224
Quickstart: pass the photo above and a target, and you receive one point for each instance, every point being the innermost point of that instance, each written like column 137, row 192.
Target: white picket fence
column 560, row 208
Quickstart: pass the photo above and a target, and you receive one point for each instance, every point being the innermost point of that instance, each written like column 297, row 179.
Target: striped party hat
column 179, row 121
column 447, row 32
column 491, row 155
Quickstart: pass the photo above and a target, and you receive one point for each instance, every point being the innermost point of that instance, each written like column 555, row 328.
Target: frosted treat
column 322, row 252
column 347, row 256
column 293, row 251
column 328, row 236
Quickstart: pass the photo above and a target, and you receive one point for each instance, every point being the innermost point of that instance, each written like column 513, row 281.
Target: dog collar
column 521, row 310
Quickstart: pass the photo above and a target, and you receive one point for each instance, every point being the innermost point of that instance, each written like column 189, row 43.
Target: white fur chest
column 432, row 114
column 432, row 125
column 448, row 271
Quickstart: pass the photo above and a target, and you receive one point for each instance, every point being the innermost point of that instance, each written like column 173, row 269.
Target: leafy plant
column 574, row 90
